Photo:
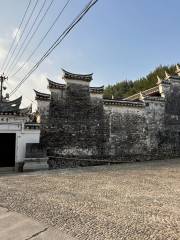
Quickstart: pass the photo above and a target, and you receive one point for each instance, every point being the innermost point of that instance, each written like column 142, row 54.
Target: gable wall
column 76, row 125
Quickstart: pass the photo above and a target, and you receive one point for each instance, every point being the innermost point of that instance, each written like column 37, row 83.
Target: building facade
column 77, row 123
column 16, row 130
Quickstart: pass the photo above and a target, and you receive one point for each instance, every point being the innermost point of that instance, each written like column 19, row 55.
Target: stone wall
column 82, row 127
column 76, row 125
column 127, row 131
column 146, row 133
column 170, row 137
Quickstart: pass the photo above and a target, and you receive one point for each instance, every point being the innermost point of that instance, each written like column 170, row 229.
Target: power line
column 22, row 50
column 42, row 39
column 57, row 42
column 14, row 40
column 27, row 35
column 29, row 99
column 23, row 31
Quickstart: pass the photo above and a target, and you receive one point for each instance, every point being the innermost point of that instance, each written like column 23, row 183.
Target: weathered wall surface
column 155, row 125
column 43, row 109
column 151, row 132
column 76, row 124
column 127, row 131
column 172, row 109
column 82, row 126
column 170, row 137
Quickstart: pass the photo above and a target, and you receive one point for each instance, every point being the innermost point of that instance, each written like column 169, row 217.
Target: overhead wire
column 23, row 48
column 16, row 35
column 21, row 35
column 32, row 101
column 57, row 42
column 42, row 40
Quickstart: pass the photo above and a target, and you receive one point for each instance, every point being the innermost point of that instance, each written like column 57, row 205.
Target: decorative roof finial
column 177, row 69
column 2, row 87
column 141, row 96
column 167, row 76
column 159, row 80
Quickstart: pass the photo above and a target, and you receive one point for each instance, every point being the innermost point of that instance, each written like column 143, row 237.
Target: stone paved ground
column 129, row 201
column 15, row 226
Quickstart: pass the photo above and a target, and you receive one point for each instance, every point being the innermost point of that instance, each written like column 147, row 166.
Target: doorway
column 7, row 149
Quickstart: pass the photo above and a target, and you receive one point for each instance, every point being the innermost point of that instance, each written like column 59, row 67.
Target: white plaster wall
column 75, row 81
column 23, row 136
column 28, row 136
column 96, row 95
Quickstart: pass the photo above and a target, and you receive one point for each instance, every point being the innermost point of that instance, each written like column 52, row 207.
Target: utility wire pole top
column 3, row 78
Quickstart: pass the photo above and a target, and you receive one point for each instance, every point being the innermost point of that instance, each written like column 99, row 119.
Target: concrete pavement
column 14, row 226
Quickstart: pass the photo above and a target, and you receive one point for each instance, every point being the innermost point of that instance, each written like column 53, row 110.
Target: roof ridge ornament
column 141, row 96
column 159, row 80
column 177, row 70
column 55, row 85
column 75, row 76
column 42, row 96
column 167, row 75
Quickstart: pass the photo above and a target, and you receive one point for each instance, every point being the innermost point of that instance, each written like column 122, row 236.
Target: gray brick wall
column 76, row 124
column 82, row 127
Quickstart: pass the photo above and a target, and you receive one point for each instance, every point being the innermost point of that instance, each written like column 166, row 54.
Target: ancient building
column 78, row 125
column 16, row 130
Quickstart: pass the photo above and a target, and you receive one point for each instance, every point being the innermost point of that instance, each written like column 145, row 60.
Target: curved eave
column 73, row 76
column 15, row 101
column 26, row 111
column 42, row 96
column 10, row 106
column 99, row 90
column 55, row 85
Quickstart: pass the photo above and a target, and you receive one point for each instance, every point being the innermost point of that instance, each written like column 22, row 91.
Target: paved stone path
column 14, row 226
column 137, row 201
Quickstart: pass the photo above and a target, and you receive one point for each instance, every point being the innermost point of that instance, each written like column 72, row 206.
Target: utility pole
column 2, row 79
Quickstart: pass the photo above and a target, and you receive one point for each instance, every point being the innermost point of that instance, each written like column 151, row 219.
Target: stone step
column 31, row 164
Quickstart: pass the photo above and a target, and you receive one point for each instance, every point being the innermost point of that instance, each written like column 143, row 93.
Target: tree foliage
column 127, row 88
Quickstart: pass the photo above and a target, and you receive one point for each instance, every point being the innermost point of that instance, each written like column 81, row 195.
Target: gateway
column 16, row 130
column 7, row 149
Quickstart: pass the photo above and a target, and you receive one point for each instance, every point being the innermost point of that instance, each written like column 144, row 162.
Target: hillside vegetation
column 127, row 88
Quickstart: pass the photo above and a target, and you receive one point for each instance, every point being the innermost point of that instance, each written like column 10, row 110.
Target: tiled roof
column 154, row 99
column 96, row 89
column 73, row 76
column 123, row 103
column 145, row 93
column 55, row 85
column 10, row 106
column 32, row 126
column 42, row 96
column 174, row 78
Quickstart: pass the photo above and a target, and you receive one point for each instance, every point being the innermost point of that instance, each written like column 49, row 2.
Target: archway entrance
column 7, row 149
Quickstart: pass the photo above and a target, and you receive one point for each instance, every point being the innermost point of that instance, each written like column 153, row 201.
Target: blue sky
column 117, row 40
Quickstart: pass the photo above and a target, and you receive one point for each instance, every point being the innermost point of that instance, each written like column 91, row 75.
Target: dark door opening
column 7, row 149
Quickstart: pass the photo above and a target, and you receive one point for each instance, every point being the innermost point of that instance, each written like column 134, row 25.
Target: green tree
column 127, row 88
